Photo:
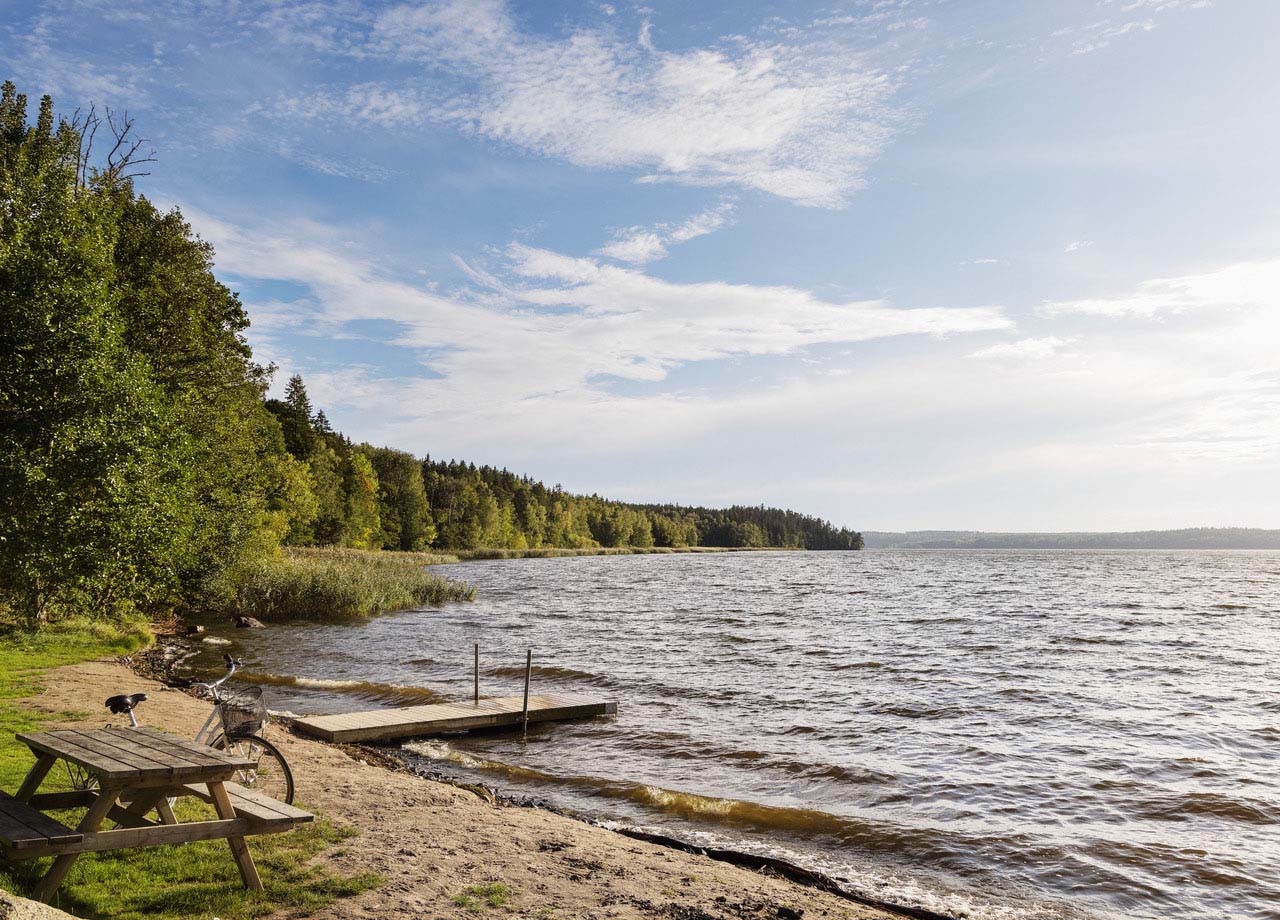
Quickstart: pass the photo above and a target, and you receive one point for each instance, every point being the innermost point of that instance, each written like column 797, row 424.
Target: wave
column 391, row 693
column 1180, row 807
column 679, row 746
column 549, row 671
column 936, row 846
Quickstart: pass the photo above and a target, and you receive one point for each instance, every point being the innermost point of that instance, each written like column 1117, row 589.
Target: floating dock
column 442, row 718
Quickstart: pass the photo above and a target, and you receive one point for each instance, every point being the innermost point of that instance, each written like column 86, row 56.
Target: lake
column 1002, row 734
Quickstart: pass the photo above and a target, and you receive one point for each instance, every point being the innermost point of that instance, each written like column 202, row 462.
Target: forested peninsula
column 142, row 467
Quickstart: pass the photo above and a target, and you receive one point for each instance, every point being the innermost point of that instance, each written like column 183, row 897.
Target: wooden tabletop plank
column 185, row 763
column 141, row 764
column 203, row 753
column 142, row 741
column 181, row 765
column 99, row 764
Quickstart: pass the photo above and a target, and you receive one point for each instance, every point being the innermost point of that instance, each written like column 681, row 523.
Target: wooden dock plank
column 438, row 718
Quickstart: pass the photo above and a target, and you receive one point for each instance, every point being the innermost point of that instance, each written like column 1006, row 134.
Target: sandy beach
column 432, row 840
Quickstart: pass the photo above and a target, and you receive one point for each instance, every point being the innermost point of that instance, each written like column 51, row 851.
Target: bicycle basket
column 244, row 711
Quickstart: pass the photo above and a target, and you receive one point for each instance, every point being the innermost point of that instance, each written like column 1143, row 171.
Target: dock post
column 476, row 681
column 524, row 714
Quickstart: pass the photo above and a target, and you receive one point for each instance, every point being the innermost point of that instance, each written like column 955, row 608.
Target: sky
column 901, row 264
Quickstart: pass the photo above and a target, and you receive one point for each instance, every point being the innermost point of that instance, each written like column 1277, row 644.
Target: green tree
column 244, row 491
column 402, row 500
column 327, row 485
column 360, row 525
column 93, row 462
column 294, row 413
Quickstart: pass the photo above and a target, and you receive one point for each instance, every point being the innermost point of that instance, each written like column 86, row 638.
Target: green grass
column 326, row 584
column 199, row 880
column 476, row 897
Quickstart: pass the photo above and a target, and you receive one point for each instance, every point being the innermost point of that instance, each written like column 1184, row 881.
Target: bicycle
column 234, row 725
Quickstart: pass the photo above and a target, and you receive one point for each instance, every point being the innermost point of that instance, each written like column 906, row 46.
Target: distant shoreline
column 1187, row 538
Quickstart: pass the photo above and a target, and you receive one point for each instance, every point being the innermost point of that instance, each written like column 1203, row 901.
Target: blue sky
column 903, row 263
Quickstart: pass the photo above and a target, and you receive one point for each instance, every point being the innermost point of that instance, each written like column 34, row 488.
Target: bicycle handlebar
column 233, row 665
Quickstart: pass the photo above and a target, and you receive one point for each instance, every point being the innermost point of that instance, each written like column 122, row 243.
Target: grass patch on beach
column 325, row 584
column 199, row 880
column 477, row 897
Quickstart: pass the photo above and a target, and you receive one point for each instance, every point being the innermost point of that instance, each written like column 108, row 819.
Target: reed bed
column 328, row 584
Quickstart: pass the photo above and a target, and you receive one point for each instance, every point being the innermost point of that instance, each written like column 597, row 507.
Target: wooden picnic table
column 135, row 770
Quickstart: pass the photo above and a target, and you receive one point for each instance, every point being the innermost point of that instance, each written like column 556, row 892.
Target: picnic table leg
column 92, row 820
column 239, row 849
column 165, row 811
column 134, row 814
column 35, row 776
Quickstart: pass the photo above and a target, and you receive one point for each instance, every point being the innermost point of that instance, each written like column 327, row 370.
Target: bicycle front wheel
column 270, row 774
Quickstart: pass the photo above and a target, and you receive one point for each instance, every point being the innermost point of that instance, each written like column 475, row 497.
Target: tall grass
column 325, row 584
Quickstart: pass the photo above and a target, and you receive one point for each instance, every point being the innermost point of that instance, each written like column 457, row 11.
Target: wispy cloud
column 799, row 121
column 645, row 244
column 1077, row 245
column 1117, row 23
column 558, row 325
column 1025, row 349
column 1243, row 285
column 368, row 104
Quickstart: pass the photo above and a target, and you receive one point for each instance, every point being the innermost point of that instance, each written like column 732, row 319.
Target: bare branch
column 125, row 152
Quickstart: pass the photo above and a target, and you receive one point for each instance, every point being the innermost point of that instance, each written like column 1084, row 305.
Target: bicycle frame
column 206, row 733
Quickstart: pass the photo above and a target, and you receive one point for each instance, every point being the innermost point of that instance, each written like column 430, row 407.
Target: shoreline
column 157, row 663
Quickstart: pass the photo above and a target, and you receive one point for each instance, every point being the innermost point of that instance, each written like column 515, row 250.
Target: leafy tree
column 360, row 523
column 328, row 487
column 92, row 458
column 402, row 500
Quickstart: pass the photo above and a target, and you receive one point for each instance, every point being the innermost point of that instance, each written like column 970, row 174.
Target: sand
column 431, row 840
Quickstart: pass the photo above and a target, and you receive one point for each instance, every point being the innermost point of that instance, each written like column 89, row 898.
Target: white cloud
column 1077, row 245
column 640, row 244
column 635, row 246
column 802, row 122
column 1026, row 349
column 1098, row 35
column 559, row 324
column 1243, row 285
column 365, row 103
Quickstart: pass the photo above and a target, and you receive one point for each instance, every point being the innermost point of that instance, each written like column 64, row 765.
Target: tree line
column 381, row 498
column 140, row 460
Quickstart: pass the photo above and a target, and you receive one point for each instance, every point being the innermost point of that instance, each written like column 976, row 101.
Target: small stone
column 243, row 622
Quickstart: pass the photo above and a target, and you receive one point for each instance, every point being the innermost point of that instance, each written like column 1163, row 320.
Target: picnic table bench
column 134, row 771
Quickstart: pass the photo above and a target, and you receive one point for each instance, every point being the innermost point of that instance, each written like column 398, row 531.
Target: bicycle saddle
column 122, row 704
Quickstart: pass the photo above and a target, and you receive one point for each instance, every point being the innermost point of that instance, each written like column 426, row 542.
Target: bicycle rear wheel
column 270, row 774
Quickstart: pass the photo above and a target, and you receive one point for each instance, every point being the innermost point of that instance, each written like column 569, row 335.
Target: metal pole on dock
column 528, row 667
column 477, row 675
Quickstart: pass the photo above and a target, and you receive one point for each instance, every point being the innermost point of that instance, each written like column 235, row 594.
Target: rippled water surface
column 1000, row 734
